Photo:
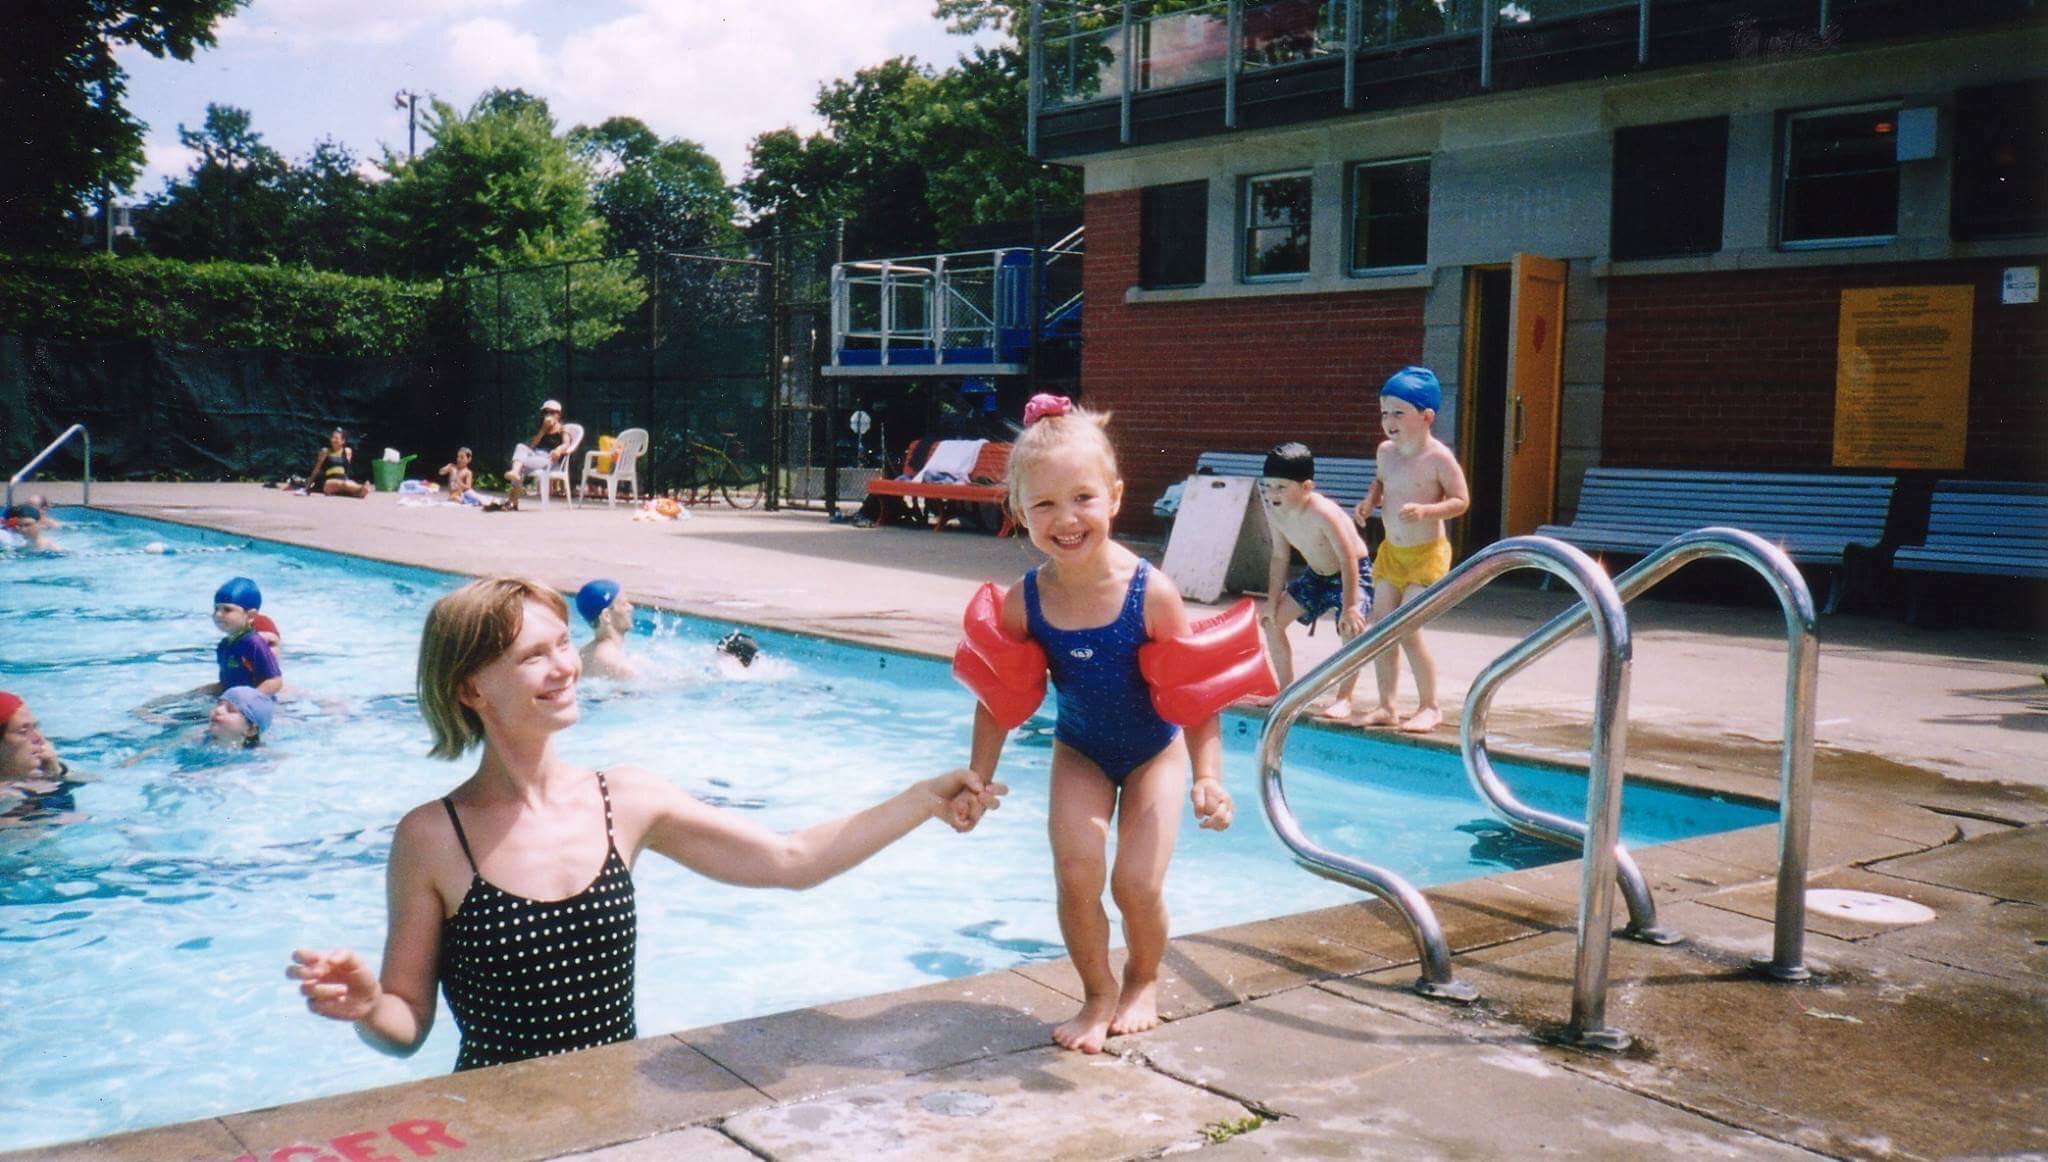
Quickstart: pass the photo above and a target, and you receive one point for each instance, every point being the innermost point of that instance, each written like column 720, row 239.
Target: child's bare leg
column 1147, row 823
column 1428, row 716
column 1386, row 598
column 1344, row 707
column 1280, row 614
column 1078, row 822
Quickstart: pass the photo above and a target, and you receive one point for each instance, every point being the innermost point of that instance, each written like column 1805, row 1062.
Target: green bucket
column 388, row 474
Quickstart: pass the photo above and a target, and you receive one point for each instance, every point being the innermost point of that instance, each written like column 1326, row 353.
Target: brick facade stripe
column 1237, row 374
column 1736, row 370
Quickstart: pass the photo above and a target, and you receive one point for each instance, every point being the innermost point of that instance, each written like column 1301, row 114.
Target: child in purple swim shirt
column 244, row 656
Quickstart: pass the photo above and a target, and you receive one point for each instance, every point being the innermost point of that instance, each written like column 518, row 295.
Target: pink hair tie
column 1046, row 404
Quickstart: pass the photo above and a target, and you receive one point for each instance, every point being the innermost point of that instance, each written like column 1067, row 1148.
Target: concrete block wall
column 1736, row 369
column 1233, row 374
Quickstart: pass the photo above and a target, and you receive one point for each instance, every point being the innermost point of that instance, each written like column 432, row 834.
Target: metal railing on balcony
column 974, row 311
column 1088, row 51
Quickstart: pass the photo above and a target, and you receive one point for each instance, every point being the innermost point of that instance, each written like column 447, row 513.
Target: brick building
column 1286, row 201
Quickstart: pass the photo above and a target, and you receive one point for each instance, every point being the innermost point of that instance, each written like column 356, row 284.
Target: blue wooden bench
column 1343, row 479
column 1987, row 528
column 1816, row 519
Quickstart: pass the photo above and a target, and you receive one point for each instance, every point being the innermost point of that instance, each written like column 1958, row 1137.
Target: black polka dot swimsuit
column 532, row 978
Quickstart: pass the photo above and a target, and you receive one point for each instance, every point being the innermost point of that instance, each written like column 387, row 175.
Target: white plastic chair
column 627, row 449
column 572, row 438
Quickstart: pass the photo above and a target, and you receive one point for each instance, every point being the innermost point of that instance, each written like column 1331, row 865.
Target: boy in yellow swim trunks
column 1418, row 487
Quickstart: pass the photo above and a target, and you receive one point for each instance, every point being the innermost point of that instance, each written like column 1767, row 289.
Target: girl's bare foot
column 1423, row 721
column 1085, row 1031
column 1380, row 716
column 1339, row 711
column 1137, row 1009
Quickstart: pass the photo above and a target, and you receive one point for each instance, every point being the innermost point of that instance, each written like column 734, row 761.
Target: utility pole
column 409, row 101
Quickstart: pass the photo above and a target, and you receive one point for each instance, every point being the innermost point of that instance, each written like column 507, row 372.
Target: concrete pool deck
column 1297, row 1037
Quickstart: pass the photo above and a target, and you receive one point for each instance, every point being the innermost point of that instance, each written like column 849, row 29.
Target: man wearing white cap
column 539, row 453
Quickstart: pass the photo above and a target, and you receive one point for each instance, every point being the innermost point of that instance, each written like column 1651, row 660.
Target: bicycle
column 724, row 470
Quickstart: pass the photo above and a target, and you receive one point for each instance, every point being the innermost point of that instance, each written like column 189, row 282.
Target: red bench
column 993, row 464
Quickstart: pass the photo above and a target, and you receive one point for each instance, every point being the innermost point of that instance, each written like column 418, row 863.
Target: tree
column 655, row 195
column 495, row 190
column 68, row 138
column 233, row 204
column 908, row 158
column 332, row 223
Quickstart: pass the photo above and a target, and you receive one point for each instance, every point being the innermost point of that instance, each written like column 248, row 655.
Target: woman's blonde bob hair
column 466, row 631
column 1078, row 425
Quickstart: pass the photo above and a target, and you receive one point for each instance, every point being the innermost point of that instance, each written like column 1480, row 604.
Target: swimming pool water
column 142, row 950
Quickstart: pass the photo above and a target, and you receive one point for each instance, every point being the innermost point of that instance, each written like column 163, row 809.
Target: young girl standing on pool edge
column 1091, row 606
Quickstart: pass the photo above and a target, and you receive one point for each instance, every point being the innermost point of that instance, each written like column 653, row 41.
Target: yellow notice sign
column 1902, row 377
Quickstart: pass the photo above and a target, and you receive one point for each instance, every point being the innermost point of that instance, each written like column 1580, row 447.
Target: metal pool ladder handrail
column 32, row 465
column 1603, row 793
column 1802, row 645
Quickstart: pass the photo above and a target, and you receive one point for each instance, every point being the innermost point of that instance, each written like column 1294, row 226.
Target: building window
column 1276, row 225
column 1173, row 235
column 2001, row 169
column 1841, row 177
column 1670, row 182
column 1389, row 215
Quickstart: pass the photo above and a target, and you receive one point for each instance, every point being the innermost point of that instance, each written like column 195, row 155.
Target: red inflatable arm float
column 1214, row 664
column 1006, row 673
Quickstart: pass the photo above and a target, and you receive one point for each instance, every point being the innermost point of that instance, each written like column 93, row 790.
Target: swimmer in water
column 611, row 618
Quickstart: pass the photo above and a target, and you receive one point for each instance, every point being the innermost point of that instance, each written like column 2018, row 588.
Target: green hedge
column 216, row 304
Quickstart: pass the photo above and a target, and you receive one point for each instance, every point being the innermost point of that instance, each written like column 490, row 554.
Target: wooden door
column 1535, row 374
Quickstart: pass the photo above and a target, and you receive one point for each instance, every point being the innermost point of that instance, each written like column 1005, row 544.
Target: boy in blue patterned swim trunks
column 1337, row 576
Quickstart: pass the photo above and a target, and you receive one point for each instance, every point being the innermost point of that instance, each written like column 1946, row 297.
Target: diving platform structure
column 967, row 314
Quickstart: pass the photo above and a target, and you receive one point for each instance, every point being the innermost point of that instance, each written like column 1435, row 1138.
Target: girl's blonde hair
column 466, row 631
column 1042, row 436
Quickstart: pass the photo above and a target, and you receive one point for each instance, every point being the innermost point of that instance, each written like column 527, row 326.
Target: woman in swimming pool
column 514, row 893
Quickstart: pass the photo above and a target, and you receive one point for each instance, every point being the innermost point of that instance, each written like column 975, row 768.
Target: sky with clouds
column 716, row 73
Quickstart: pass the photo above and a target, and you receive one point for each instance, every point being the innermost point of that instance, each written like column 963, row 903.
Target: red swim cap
column 9, row 703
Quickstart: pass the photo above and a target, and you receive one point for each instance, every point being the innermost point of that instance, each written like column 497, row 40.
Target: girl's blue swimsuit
column 1105, row 707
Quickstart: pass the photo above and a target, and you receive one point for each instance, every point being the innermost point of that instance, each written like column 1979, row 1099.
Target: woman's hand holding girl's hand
column 962, row 796
column 336, row 985
column 1213, row 808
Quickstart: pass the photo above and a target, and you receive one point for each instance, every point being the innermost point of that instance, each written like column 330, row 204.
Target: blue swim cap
column 239, row 591
column 256, row 706
column 1416, row 386
column 596, row 597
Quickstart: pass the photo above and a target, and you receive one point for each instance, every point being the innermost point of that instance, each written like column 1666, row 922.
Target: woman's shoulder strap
column 460, row 837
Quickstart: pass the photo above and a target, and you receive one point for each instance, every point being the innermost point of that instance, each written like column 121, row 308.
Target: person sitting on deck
column 332, row 466
column 541, row 452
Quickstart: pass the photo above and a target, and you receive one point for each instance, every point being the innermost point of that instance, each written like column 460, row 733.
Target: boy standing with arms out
column 1419, row 486
column 1335, row 577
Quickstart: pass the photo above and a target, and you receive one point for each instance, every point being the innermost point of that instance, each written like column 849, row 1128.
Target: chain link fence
column 714, row 352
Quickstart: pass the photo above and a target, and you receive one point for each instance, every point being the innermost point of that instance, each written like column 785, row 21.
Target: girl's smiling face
column 1069, row 500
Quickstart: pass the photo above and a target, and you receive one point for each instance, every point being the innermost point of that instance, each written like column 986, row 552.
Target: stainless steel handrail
column 1603, row 792
column 32, row 465
column 1802, row 645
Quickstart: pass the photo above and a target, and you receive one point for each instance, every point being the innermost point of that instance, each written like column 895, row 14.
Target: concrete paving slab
column 1293, row 1049
column 1200, row 973
column 200, row 1141
column 1867, row 1062
column 1759, row 901
column 2013, row 866
column 1041, row 1105
column 808, row 1051
column 1498, row 1103
column 698, row 1144
column 528, row 1110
